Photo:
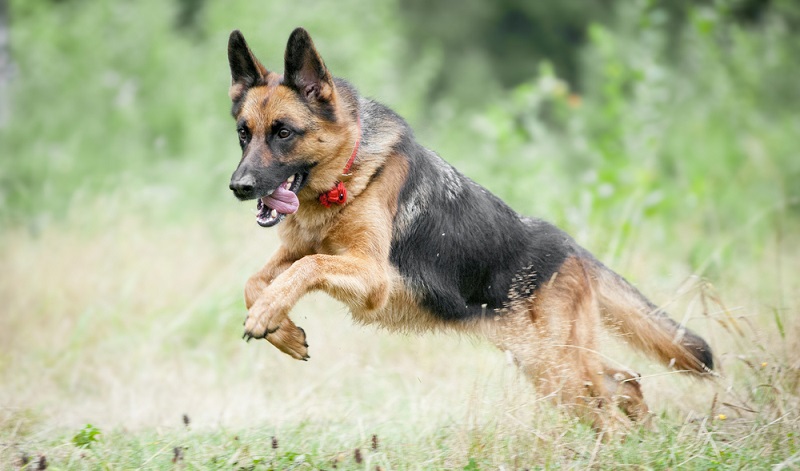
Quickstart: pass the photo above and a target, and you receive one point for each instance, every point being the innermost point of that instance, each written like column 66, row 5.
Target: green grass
column 687, row 446
column 149, row 330
column 123, row 255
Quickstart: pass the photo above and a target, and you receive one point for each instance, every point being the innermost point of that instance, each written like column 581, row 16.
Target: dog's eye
column 242, row 134
column 284, row 133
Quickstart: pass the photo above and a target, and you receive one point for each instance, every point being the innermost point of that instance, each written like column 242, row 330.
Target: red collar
column 338, row 194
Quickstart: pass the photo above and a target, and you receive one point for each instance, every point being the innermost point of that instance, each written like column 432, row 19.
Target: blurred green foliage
column 505, row 39
column 86, row 436
column 600, row 116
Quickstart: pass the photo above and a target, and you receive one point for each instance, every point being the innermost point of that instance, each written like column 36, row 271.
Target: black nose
column 243, row 187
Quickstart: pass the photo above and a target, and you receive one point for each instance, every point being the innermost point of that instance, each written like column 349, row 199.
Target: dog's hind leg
column 626, row 392
column 553, row 337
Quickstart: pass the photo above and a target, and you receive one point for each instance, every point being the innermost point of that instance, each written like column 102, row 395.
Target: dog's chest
column 402, row 312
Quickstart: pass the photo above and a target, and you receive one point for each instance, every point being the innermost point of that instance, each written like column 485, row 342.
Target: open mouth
column 280, row 202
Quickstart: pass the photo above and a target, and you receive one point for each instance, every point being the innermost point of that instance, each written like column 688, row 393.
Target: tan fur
column 323, row 141
column 628, row 314
column 342, row 250
column 553, row 337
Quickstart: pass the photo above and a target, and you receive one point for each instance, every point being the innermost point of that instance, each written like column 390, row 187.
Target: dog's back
column 460, row 247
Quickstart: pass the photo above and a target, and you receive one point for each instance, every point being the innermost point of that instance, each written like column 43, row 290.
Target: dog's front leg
column 257, row 284
column 290, row 339
column 359, row 282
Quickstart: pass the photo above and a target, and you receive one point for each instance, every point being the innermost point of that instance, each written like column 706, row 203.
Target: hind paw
column 627, row 393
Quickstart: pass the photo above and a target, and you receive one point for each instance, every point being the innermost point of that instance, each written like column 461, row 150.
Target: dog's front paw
column 263, row 318
column 290, row 339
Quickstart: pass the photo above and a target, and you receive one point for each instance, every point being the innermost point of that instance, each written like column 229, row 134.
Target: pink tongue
column 282, row 200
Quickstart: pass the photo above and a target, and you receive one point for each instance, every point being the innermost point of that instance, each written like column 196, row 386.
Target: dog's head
column 289, row 126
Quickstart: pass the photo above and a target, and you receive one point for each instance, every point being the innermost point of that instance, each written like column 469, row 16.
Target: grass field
column 123, row 255
column 149, row 331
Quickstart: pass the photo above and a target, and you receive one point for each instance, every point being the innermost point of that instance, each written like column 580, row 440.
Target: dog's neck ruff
column 338, row 194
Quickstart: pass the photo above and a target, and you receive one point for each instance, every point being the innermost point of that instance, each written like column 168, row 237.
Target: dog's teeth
column 274, row 213
column 290, row 180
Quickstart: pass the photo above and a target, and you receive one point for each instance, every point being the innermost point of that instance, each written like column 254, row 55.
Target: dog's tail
column 646, row 327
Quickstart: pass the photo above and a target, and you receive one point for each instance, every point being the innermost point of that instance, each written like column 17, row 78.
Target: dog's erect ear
column 246, row 70
column 305, row 71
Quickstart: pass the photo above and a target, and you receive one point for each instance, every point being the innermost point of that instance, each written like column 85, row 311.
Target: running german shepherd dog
column 381, row 223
